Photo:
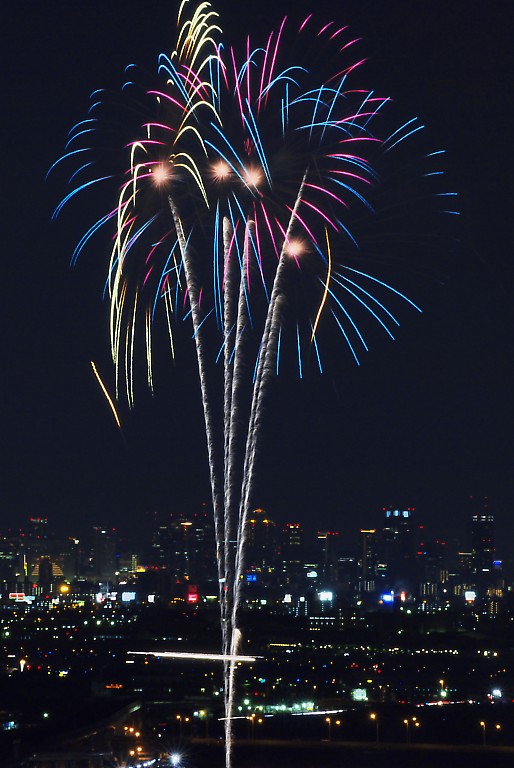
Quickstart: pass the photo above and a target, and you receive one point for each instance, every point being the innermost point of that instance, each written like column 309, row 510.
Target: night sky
column 425, row 421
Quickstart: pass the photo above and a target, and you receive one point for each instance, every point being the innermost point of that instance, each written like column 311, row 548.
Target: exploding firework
column 251, row 201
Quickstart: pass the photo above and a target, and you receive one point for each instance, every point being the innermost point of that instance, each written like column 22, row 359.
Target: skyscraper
column 329, row 550
column 368, row 560
column 399, row 547
column 292, row 553
column 261, row 547
column 482, row 538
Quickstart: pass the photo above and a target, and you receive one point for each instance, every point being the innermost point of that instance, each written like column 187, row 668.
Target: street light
column 181, row 720
column 204, row 716
column 407, row 723
column 373, row 716
column 483, row 727
column 328, row 721
column 251, row 718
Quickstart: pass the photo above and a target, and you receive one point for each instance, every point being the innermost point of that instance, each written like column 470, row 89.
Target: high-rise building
column 328, row 554
column 160, row 555
column 368, row 560
column 292, row 553
column 399, row 547
column 103, row 554
column 482, row 538
column 192, row 548
column 261, row 547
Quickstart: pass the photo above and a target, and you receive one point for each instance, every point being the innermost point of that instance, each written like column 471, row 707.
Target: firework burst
column 251, row 200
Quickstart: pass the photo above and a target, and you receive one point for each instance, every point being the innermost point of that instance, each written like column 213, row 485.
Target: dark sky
column 425, row 421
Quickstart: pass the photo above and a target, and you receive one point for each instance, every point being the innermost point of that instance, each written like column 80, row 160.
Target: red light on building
column 192, row 595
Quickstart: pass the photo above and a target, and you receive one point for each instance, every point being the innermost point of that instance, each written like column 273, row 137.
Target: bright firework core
column 221, row 171
column 161, row 173
column 295, row 248
column 253, row 176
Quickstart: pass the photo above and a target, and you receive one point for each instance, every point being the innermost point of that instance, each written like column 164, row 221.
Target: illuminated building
column 482, row 541
column 103, row 554
column 292, row 553
column 192, row 547
column 399, row 547
column 368, row 560
column 328, row 555
column 261, row 547
column 433, row 575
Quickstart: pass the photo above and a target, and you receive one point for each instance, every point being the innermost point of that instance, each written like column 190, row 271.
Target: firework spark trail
column 229, row 320
column 237, row 417
column 265, row 370
column 235, row 427
column 229, row 323
column 217, row 496
column 106, row 393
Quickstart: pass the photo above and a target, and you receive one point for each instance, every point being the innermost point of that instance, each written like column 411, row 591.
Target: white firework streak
column 233, row 481
column 265, row 370
column 229, row 330
column 217, row 498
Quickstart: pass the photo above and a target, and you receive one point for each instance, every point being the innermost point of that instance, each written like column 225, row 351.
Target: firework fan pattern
column 255, row 200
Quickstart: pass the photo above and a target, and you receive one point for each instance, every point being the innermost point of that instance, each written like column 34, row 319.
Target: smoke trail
column 229, row 320
column 233, row 479
column 265, row 370
column 217, row 495
column 229, row 287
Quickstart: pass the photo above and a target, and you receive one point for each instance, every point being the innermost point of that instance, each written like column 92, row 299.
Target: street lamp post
column 328, row 721
column 373, row 716
column 205, row 717
column 483, row 727
column 407, row 723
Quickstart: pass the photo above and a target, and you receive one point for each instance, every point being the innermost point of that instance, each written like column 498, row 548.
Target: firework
column 251, row 200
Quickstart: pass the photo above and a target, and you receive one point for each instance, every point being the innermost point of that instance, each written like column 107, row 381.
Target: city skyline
column 425, row 421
